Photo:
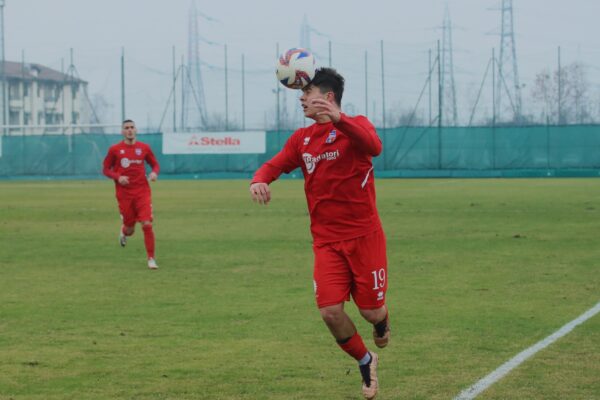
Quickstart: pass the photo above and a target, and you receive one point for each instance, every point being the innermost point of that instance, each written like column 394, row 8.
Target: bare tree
column 563, row 99
column 581, row 100
column 399, row 116
column 216, row 122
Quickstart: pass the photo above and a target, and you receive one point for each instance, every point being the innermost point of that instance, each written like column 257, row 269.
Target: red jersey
column 128, row 160
column 338, row 176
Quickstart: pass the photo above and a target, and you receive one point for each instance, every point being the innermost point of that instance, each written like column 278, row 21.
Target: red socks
column 354, row 346
column 149, row 240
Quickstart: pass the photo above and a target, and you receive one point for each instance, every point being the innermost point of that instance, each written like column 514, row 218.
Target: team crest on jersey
column 331, row 137
column 306, row 140
column 122, row 151
column 138, row 152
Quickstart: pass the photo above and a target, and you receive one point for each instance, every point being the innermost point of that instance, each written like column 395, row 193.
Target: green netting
column 414, row 151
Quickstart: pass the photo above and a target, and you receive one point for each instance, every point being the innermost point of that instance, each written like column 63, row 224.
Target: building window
column 40, row 118
column 14, row 118
column 50, row 92
column 26, row 89
column 13, row 91
column 74, row 90
column 26, row 118
column 49, row 119
column 75, row 118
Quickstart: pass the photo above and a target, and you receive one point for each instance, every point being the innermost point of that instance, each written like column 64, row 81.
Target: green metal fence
column 572, row 150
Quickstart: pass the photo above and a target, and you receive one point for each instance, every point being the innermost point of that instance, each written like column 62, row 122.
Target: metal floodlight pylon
column 194, row 115
column 507, row 85
column 450, row 112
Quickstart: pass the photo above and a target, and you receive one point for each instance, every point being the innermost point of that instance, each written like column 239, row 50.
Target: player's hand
column 153, row 176
column 261, row 193
column 328, row 108
column 123, row 180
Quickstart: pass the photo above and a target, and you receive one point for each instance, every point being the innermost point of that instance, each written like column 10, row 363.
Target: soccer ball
column 296, row 68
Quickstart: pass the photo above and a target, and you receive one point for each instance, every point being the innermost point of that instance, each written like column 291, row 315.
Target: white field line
column 514, row 362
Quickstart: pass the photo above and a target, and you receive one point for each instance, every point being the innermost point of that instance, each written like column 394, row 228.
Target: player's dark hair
column 329, row 80
column 126, row 121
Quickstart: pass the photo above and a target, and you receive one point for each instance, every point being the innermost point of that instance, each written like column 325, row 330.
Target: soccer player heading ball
column 349, row 244
column 124, row 163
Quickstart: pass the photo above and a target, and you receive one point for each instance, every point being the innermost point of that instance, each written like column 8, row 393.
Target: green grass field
column 478, row 271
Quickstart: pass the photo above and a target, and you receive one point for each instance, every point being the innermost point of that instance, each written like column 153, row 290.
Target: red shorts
column 356, row 267
column 135, row 209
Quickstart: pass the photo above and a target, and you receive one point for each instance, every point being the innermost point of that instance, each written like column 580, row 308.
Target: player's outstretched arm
column 260, row 193
column 285, row 161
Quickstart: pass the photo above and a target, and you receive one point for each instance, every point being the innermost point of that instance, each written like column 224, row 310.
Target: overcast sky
column 44, row 31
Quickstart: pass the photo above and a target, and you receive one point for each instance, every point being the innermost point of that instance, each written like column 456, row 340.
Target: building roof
column 31, row 71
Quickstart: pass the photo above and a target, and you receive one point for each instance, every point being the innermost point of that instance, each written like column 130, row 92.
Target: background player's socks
column 354, row 346
column 381, row 326
column 149, row 240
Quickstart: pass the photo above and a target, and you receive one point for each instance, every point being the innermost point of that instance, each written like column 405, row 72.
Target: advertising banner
column 244, row 142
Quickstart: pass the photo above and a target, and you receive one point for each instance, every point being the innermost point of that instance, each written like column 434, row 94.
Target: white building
column 42, row 100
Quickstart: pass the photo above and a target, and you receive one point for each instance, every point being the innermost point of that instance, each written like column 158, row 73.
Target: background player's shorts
column 356, row 267
column 136, row 209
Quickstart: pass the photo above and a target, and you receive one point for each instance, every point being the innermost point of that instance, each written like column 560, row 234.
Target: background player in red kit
column 124, row 163
column 349, row 244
